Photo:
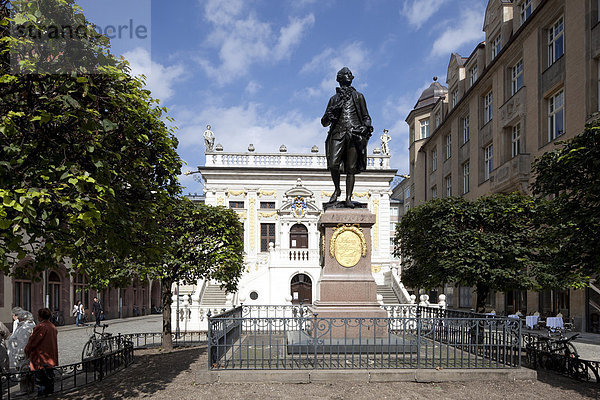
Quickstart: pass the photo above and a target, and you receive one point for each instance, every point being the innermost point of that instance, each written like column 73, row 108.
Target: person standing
column 349, row 133
column 78, row 311
column 15, row 316
column 42, row 350
column 97, row 311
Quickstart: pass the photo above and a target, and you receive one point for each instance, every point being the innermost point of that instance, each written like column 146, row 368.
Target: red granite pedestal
column 348, row 291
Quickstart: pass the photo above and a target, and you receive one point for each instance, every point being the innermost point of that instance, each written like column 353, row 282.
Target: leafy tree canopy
column 492, row 243
column 86, row 159
column 196, row 242
column 570, row 175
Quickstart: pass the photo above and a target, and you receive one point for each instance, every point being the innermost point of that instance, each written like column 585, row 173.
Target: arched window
column 298, row 237
column 54, row 291
column 301, row 289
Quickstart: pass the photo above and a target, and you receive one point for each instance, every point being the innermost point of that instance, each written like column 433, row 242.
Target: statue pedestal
column 346, row 286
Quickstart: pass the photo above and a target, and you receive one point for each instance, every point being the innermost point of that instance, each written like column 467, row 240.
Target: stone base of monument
column 346, row 286
column 301, row 342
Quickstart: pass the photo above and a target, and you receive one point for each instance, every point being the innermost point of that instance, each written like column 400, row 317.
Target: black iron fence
column 71, row 376
column 294, row 338
column 146, row 340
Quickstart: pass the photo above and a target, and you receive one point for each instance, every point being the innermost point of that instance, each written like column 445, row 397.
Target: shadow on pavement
column 588, row 389
column 151, row 372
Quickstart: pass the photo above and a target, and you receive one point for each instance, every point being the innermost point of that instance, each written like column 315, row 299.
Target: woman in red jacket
column 42, row 350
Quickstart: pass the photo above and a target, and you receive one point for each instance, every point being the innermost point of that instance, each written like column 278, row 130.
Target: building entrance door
column 301, row 289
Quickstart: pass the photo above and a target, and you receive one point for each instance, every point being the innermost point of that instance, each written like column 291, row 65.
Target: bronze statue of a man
column 349, row 133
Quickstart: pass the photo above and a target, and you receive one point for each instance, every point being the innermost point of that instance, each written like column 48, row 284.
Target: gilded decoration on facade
column 220, row 201
column 375, row 268
column 362, row 194
column 265, row 214
column 231, row 192
column 262, row 192
column 251, row 219
column 347, row 245
column 376, row 225
column 326, row 194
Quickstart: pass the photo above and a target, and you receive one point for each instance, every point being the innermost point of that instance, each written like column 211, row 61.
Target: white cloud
column 419, row 11
column 466, row 28
column 243, row 39
column 238, row 126
column 252, row 87
column 159, row 78
column 327, row 63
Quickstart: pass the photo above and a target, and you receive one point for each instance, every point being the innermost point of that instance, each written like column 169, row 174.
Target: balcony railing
column 284, row 160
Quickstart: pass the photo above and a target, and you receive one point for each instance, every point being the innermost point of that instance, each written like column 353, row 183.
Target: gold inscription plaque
column 347, row 245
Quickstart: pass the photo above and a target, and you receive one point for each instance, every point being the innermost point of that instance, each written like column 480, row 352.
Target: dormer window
column 473, row 75
column 525, row 10
column 496, row 46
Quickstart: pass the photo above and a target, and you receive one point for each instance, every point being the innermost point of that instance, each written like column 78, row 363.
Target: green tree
column 86, row 159
column 570, row 176
column 196, row 241
column 492, row 243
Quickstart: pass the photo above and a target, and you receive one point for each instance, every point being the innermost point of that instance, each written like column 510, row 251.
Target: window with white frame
column 438, row 119
column 556, row 41
column 454, row 98
column 392, row 226
column 516, row 140
column 526, row 9
column 448, row 185
column 496, row 46
column 434, row 193
column 412, row 134
column 488, row 110
column 556, row 118
column 466, row 177
column 434, row 159
column 424, row 128
column 407, row 193
column 516, row 77
column 448, row 147
column 488, row 161
column 394, row 211
column 473, row 75
column 466, row 129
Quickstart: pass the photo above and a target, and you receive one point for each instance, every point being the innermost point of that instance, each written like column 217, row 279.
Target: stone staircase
column 213, row 296
column 389, row 297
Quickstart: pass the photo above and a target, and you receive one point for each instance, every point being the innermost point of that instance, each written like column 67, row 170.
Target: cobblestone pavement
column 71, row 338
column 182, row 374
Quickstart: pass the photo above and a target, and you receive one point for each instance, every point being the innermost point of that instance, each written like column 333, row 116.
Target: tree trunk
column 482, row 293
column 167, row 300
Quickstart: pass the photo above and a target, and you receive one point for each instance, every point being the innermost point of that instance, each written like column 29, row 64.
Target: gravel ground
column 178, row 375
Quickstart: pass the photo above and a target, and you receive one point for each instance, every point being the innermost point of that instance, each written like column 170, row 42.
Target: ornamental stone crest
column 299, row 207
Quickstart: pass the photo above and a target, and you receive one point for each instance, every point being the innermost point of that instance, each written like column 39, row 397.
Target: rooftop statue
column 349, row 132
column 385, row 139
column 209, row 138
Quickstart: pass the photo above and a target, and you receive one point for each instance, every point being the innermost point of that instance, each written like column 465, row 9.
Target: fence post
column 419, row 337
column 209, row 340
column 315, row 340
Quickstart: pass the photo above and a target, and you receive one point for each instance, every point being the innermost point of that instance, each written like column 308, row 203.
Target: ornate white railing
column 284, row 160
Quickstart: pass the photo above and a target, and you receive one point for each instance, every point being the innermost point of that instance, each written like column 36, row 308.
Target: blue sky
column 262, row 71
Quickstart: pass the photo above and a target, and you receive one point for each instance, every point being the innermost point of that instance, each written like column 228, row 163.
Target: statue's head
column 344, row 75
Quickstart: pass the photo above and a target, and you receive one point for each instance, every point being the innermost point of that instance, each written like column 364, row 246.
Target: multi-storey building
column 532, row 82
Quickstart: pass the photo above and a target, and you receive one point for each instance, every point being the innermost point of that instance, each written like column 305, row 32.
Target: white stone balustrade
column 284, row 160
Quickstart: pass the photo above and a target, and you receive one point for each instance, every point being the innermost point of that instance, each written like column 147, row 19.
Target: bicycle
column 556, row 352
column 57, row 318
column 98, row 344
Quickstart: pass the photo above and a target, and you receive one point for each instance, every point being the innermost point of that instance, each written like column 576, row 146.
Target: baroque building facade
column 279, row 198
column 531, row 83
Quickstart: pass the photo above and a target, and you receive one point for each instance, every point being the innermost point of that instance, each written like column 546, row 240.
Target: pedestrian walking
column 97, row 311
column 15, row 316
column 42, row 350
column 78, row 312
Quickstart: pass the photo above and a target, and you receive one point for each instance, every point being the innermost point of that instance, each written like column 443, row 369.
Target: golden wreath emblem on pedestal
column 347, row 245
